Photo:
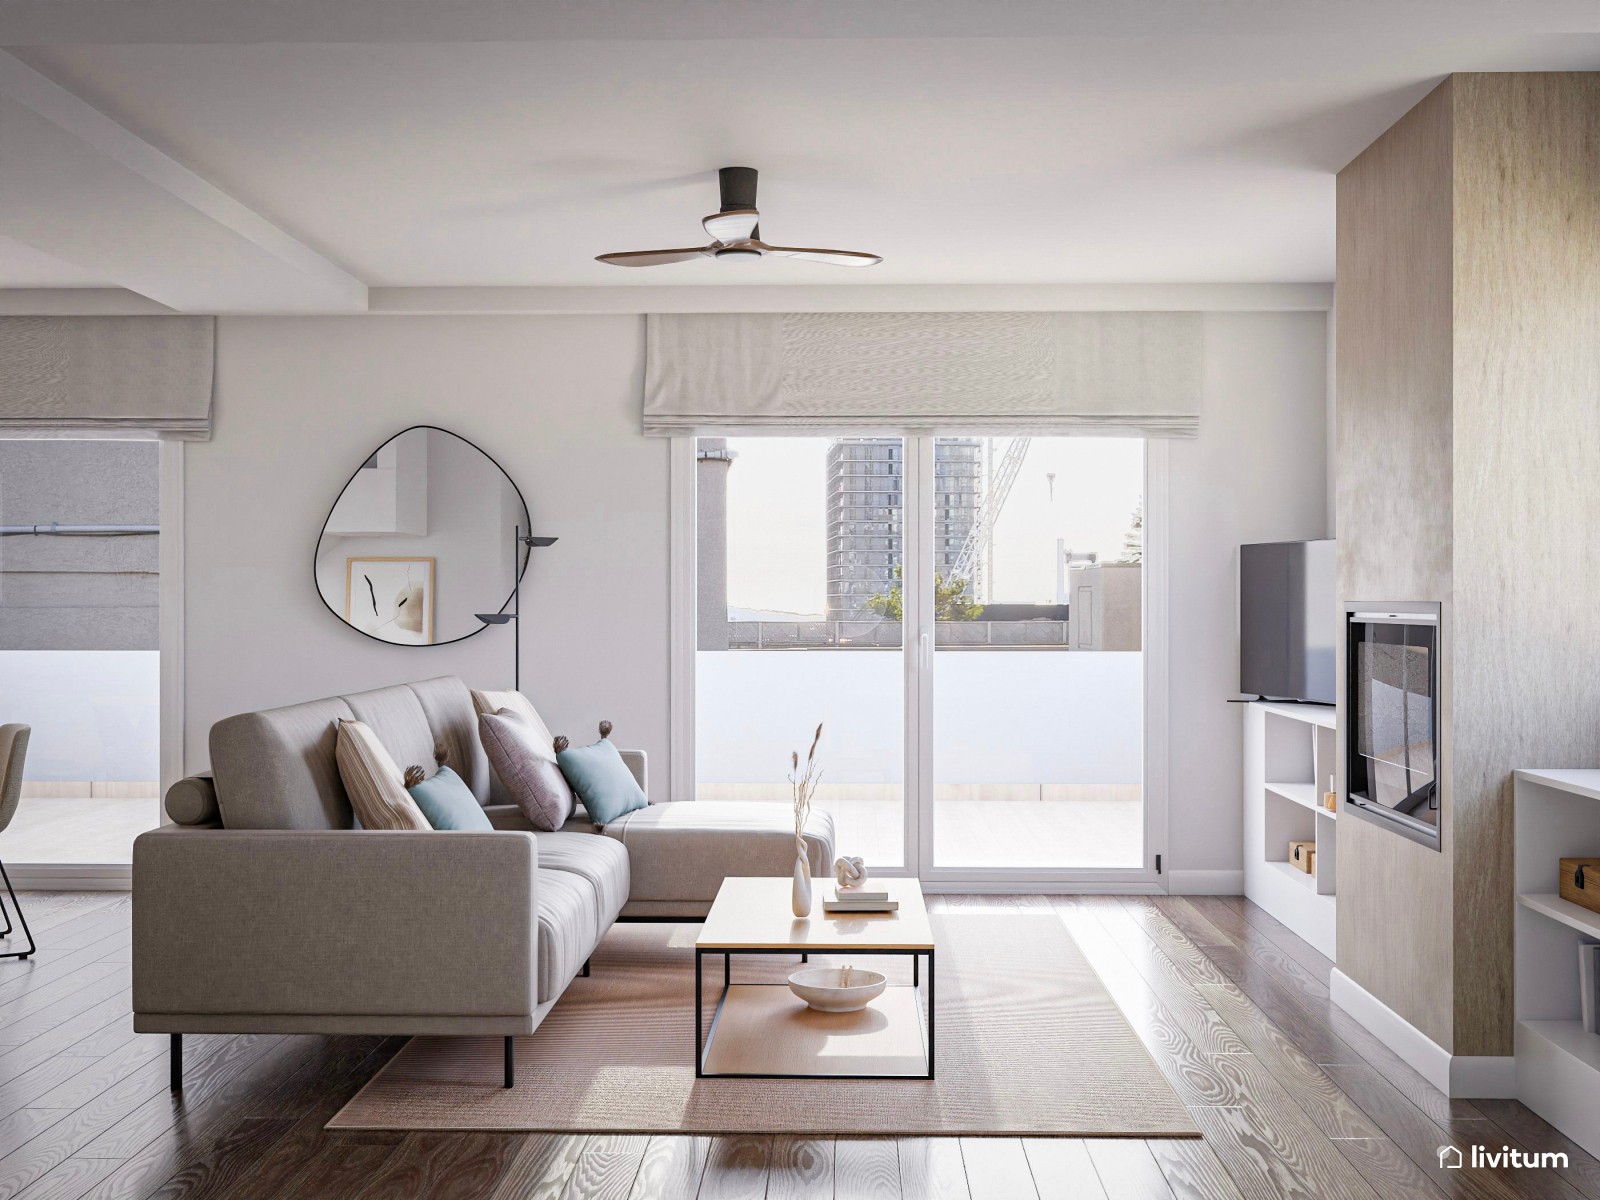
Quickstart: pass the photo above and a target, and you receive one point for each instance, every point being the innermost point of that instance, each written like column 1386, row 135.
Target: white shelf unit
column 1558, row 1064
column 1289, row 752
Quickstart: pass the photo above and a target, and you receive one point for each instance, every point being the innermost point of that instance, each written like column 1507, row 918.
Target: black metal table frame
column 703, row 1037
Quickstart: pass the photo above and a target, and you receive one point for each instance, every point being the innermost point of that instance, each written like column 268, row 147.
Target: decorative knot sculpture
column 851, row 871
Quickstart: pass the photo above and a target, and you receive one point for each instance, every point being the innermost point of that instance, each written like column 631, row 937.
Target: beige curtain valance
column 107, row 374
column 972, row 373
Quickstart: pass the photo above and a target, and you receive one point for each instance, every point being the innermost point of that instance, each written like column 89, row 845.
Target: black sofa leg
column 511, row 1062
column 585, row 971
column 177, row 1062
column 22, row 920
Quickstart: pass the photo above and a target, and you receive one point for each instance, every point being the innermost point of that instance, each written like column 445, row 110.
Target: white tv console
column 1289, row 752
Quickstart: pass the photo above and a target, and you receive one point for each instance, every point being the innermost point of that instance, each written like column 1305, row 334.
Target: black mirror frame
column 522, row 566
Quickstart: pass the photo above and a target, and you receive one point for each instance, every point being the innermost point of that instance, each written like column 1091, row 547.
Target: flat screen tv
column 1288, row 621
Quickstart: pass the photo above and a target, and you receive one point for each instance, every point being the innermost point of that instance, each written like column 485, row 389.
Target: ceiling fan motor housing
column 738, row 187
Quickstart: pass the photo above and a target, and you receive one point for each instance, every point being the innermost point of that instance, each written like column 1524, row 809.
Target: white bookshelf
column 1289, row 752
column 1558, row 1063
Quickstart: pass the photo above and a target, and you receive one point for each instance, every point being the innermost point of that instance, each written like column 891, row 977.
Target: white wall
column 1256, row 473
column 301, row 402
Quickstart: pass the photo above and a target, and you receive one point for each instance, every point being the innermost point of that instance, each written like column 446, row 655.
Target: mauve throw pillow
column 531, row 778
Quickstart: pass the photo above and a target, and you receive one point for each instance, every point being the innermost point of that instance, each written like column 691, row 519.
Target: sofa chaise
column 263, row 910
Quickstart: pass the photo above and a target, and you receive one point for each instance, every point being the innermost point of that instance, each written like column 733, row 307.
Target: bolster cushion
column 193, row 801
column 682, row 851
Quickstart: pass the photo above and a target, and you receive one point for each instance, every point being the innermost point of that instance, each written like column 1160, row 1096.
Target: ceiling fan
column 734, row 232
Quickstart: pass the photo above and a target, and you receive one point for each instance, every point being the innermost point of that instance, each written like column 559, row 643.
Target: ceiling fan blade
column 838, row 258
column 652, row 258
column 735, row 225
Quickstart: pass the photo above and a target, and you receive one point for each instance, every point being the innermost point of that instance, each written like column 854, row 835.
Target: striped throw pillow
column 375, row 785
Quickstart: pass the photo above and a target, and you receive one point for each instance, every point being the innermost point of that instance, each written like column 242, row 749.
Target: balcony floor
column 81, row 830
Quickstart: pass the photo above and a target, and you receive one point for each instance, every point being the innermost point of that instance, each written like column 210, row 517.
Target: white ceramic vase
column 802, row 886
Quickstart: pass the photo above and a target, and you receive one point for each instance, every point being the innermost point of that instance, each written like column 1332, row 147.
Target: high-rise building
column 866, row 493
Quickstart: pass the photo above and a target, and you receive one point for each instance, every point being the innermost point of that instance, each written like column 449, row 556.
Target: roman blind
column 965, row 372
column 107, row 374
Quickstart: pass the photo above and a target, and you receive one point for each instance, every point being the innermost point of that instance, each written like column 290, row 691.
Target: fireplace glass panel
column 1396, row 731
column 1393, row 680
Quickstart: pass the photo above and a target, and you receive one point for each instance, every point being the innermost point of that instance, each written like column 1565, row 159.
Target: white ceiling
column 1084, row 142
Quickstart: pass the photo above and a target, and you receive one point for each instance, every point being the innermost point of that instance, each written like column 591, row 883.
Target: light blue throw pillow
column 448, row 803
column 599, row 778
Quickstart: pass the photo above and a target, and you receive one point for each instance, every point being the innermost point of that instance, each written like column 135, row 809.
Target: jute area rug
column 1028, row 1043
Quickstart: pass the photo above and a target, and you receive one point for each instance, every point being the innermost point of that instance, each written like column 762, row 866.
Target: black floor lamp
column 518, row 540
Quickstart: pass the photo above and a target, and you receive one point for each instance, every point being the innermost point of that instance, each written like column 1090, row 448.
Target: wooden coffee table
column 765, row 1031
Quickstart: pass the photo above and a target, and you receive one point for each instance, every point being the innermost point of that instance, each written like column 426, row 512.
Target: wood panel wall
column 1527, row 488
column 1469, row 463
column 1394, row 493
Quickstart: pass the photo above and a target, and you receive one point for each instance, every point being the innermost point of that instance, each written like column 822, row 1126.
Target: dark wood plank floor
column 1295, row 1099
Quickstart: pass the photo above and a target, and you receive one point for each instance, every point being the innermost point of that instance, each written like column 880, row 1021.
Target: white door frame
column 918, row 650
column 682, row 617
column 171, row 619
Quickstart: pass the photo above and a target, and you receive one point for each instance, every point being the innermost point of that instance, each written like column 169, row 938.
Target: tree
column 1133, row 540
column 950, row 602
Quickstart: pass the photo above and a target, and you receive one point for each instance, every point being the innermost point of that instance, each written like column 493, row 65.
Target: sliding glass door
column 964, row 615
column 1038, row 705
column 80, row 657
column 799, row 556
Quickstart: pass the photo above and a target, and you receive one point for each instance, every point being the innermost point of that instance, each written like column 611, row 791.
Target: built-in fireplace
column 1392, row 714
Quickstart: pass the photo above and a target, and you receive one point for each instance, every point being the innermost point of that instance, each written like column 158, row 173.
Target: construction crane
column 982, row 531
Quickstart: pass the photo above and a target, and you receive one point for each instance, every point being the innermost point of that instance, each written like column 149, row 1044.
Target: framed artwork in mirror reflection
column 391, row 598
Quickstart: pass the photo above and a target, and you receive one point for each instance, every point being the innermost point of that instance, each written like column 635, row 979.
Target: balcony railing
column 876, row 635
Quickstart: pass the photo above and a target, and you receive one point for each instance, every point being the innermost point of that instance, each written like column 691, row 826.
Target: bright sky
column 777, row 517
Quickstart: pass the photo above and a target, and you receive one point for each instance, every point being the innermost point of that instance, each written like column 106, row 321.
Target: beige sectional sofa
column 262, row 910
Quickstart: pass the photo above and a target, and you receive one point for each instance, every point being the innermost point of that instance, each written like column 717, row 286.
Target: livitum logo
column 1507, row 1156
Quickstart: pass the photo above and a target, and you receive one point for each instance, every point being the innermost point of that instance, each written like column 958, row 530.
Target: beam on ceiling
column 87, row 190
column 77, row 302
column 631, row 300
column 646, row 298
column 191, row 22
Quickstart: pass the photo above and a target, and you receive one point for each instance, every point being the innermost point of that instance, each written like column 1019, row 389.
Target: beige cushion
column 276, row 769
column 493, row 702
column 599, row 860
column 509, row 816
column 682, row 851
column 373, row 782
column 569, row 928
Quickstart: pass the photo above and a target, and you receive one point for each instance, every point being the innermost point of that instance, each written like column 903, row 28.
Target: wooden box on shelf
column 1304, row 855
column 1588, row 892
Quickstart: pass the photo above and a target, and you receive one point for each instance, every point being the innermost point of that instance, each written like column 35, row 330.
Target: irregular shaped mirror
column 422, row 537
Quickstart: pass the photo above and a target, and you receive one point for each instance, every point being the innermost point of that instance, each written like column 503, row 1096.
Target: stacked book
column 847, row 900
